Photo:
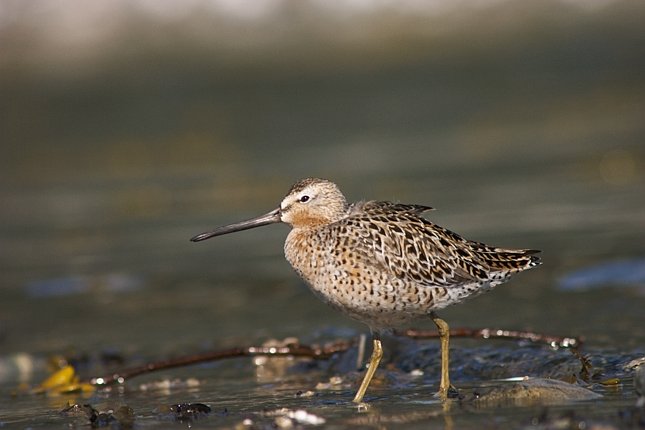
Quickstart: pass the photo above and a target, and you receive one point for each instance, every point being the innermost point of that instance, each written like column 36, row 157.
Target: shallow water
column 527, row 136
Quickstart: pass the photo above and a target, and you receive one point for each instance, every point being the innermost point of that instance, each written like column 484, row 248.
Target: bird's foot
column 362, row 407
column 446, row 393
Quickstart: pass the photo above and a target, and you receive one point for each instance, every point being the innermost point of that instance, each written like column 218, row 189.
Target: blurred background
column 127, row 127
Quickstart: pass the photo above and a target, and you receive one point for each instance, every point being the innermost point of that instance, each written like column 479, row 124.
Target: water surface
column 525, row 133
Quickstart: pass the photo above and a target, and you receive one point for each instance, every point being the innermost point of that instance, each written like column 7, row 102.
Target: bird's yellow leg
column 444, row 335
column 375, row 359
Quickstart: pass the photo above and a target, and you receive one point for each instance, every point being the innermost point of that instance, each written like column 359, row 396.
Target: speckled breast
column 354, row 284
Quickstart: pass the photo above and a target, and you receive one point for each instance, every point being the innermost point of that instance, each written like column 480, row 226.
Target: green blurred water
column 527, row 133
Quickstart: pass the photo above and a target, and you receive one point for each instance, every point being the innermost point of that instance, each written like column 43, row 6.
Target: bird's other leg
column 444, row 335
column 375, row 359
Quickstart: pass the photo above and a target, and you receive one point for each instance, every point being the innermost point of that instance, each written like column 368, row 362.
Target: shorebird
column 383, row 263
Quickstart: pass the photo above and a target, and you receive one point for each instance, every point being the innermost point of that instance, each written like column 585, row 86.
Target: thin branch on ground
column 316, row 352
column 326, row 351
column 492, row 333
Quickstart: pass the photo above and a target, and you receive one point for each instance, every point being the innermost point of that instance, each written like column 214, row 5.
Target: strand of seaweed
column 323, row 352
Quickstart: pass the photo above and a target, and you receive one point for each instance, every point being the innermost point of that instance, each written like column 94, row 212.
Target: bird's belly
column 361, row 291
column 385, row 303
column 377, row 304
column 365, row 291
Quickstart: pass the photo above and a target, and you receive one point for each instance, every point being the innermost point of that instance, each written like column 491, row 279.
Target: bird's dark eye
column 304, row 199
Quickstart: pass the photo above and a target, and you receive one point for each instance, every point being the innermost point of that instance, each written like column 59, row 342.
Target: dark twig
column 573, row 344
column 289, row 350
column 587, row 368
column 490, row 333
column 324, row 352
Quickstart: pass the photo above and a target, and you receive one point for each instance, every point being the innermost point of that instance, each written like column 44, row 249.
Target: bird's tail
column 508, row 261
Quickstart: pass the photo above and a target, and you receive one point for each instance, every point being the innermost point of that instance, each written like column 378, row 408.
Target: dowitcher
column 383, row 263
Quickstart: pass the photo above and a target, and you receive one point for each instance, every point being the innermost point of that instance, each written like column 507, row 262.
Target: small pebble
column 611, row 381
column 333, row 381
column 300, row 416
column 284, row 422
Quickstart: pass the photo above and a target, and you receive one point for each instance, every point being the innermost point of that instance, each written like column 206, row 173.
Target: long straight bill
column 270, row 218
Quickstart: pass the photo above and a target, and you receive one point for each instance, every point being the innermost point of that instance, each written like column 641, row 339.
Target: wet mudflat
column 525, row 132
column 287, row 392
